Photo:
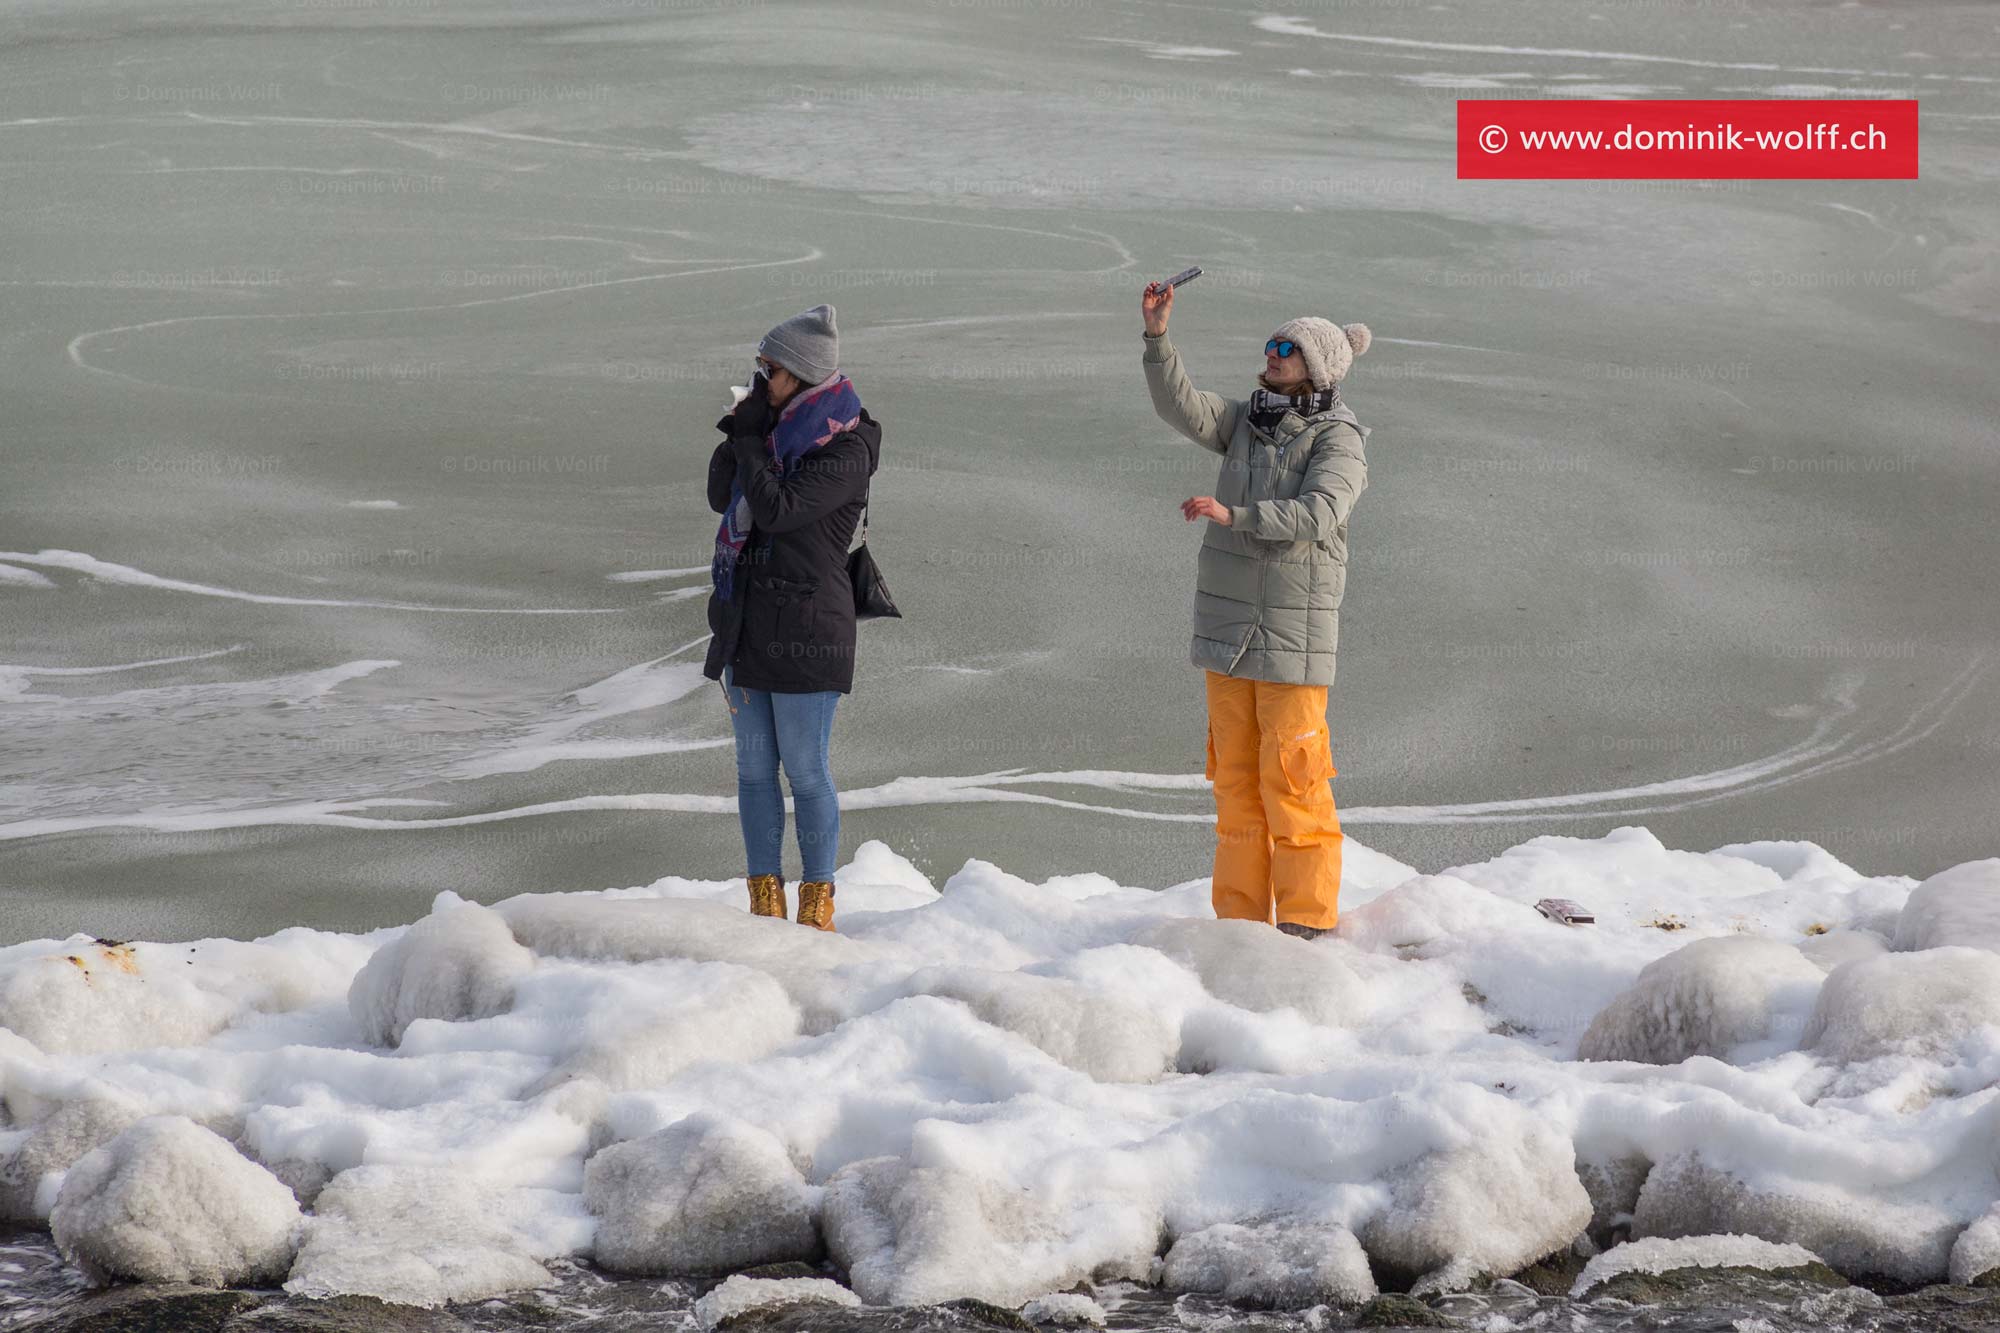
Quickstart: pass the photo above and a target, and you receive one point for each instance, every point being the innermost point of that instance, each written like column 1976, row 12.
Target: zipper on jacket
column 1244, row 649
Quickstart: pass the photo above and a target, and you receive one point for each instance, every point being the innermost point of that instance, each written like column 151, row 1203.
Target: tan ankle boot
column 816, row 904
column 767, row 896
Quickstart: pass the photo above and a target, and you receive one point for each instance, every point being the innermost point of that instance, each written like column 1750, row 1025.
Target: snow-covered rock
column 920, row 1235
column 1959, row 906
column 418, row 1235
column 1976, row 1252
column 169, row 1201
column 739, row 1295
column 459, row 962
column 1857, row 1232
column 1065, row 1309
column 1658, row 1254
column 710, row 1194
column 1501, row 1197
column 1706, row 998
column 1273, row 1264
column 31, row 1167
column 1919, row 1005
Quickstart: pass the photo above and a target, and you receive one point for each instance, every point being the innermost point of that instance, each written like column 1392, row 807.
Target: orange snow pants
column 1277, row 836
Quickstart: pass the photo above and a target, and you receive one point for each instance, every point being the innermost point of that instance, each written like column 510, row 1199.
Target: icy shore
column 1000, row 1090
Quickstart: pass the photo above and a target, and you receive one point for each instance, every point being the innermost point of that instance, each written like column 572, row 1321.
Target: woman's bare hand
column 1205, row 506
column 1155, row 304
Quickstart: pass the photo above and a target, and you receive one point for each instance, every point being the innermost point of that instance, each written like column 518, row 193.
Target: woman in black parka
column 790, row 480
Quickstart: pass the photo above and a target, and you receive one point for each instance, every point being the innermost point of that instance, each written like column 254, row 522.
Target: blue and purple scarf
column 815, row 416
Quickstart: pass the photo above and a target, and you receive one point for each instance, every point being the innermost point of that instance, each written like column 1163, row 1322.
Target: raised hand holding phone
column 1157, row 301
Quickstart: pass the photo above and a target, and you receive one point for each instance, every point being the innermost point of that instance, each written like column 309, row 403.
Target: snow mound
column 638, row 930
column 739, row 1295
column 1658, row 1254
column 641, row 1026
column 1065, row 1309
column 1087, row 1028
column 1857, row 1230
column 95, row 998
column 460, row 962
column 707, row 1195
column 430, row 1235
column 1009, row 1088
column 1830, row 950
column 1913, row 1004
column 1276, row 1265
column 1706, row 998
column 920, row 1235
column 1956, row 906
column 85, row 996
column 169, row 1201
column 1261, row 969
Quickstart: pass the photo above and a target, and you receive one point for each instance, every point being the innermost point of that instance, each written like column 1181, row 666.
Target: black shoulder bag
column 871, row 595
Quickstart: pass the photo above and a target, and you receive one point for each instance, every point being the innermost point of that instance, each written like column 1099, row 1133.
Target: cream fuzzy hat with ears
column 1328, row 348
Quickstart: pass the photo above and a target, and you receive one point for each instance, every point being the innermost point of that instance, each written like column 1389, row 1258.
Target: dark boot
column 1293, row 928
column 816, row 904
column 767, row 896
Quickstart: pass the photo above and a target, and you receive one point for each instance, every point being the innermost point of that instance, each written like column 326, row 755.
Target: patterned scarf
column 1268, row 408
column 814, row 417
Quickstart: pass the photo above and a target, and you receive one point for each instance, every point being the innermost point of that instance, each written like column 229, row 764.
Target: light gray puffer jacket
column 1269, row 584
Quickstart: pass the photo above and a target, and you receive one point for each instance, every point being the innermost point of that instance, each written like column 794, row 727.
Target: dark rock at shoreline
column 152, row 1308
column 1676, row 1285
column 1393, row 1310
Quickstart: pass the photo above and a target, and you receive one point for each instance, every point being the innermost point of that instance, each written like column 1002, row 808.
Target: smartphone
column 1565, row 911
column 1185, row 275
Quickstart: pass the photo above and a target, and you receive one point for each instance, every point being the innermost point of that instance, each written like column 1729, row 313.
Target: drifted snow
column 169, row 1201
column 1004, row 1088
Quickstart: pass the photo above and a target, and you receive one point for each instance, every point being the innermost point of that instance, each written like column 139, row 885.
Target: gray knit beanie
column 1328, row 348
column 808, row 345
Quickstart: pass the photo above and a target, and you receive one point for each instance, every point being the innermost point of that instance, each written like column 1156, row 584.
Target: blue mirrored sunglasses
column 1283, row 347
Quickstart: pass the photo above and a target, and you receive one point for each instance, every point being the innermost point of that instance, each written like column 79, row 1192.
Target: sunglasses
column 1284, row 347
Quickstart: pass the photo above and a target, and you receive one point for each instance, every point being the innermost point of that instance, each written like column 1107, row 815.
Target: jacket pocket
column 789, row 604
column 1208, row 769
